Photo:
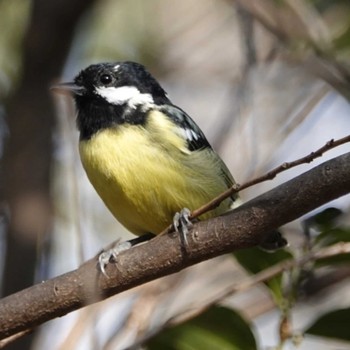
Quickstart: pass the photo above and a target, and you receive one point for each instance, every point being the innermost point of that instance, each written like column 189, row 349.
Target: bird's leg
column 182, row 224
column 111, row 255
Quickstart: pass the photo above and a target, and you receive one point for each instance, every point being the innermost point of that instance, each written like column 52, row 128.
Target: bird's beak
column 68, row 88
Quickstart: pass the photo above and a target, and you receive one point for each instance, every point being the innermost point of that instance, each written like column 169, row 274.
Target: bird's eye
column 106, row 79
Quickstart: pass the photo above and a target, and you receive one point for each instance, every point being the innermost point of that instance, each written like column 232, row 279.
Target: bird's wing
column 188, row 129
column 195, row 137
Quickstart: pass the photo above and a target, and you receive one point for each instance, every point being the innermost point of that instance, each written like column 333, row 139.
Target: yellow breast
column 145, row 175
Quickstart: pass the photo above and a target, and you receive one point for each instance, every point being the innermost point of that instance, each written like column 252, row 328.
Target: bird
column 147, row 159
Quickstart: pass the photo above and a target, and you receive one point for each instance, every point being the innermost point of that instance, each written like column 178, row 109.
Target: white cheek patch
column 124, row 94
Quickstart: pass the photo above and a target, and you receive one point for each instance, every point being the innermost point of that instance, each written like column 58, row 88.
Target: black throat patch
column 95, row 115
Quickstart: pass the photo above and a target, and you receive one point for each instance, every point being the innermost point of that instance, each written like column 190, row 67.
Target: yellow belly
column 141, row 184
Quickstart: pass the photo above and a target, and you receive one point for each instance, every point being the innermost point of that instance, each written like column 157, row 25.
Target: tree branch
column 244, row 227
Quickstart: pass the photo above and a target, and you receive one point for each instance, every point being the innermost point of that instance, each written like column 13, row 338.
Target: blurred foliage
column 315, row 32
column 216, row 328
column 334, row 324
column 323, row 221
column 320, row 23
column 326, row 229
column 255, row 260
column 285, row 289
column 323, row 229
column 201, row 332
column 13, row 24
column 109, row 34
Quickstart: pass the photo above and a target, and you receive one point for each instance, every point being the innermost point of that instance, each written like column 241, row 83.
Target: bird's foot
column 183, row 224
column 111, row 255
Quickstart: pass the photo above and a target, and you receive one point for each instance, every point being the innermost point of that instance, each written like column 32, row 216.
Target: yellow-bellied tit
column 146, row 158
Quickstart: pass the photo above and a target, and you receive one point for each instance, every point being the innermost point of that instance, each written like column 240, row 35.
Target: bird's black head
column 119, row 83
column 113, row 93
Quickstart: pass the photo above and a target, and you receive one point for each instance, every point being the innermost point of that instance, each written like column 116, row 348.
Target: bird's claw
column 111, row 256
column 182, row 224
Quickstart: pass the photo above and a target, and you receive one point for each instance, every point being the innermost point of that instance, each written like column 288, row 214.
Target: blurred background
column 267, row 81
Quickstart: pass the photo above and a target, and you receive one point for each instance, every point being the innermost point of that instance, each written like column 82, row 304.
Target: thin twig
column 14, row 337
column 268, row 176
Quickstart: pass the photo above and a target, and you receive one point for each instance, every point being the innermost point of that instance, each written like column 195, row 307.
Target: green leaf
column 324, row 220
column 327, row 238
column 216, row 328
column 335, row 324
column 343, row 41
column 319, row 227
column 329, row 233
column 255, row 260
column 336, row 260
